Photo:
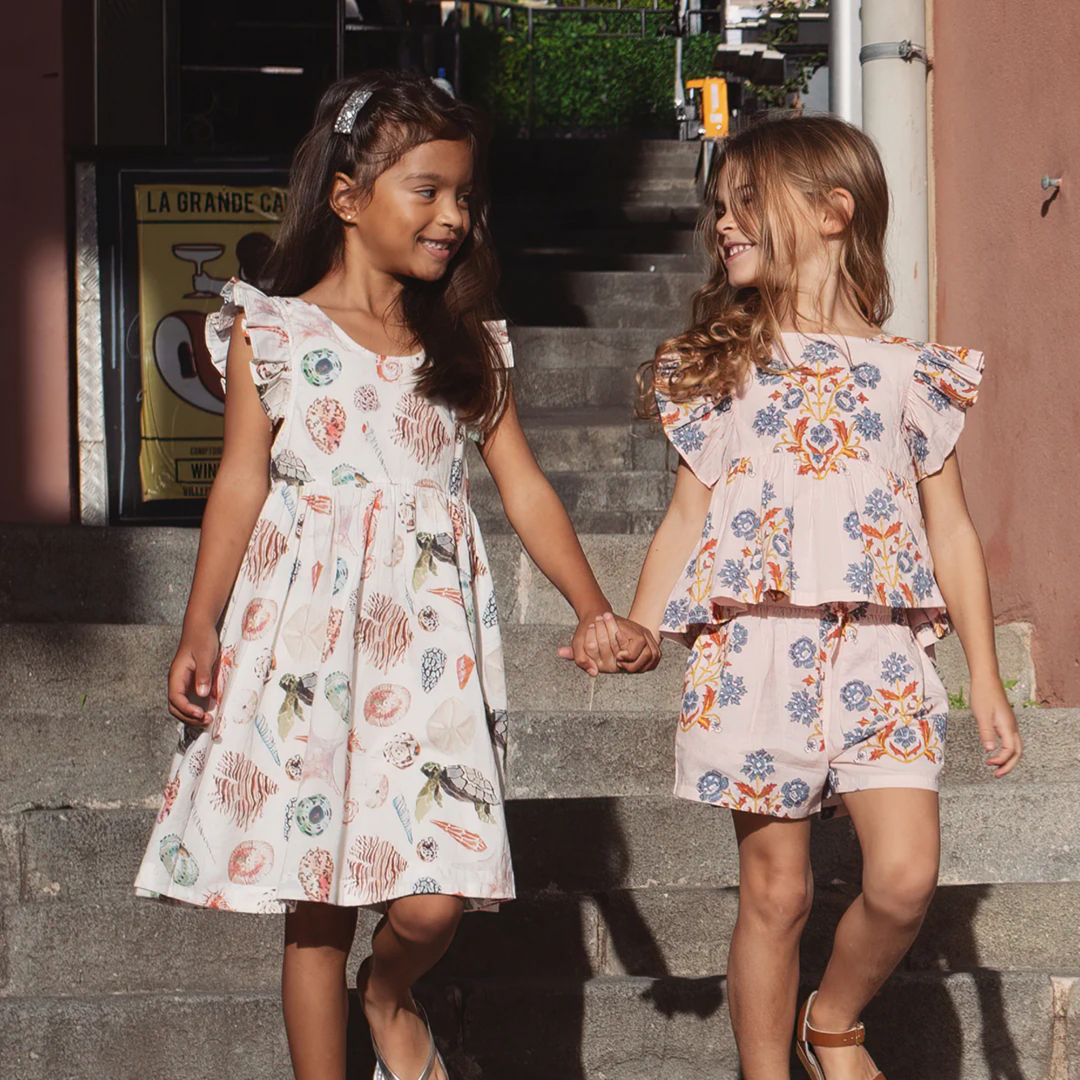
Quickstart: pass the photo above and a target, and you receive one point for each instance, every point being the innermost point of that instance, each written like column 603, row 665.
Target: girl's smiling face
column 417, row 217
column 738, row 250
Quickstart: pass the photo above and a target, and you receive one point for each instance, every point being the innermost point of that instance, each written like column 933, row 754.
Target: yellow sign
column 192, row 239
column 715, row 118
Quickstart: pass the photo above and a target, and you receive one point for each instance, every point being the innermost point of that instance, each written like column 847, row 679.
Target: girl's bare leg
column 775, row 893
column 900, row 838
column 314, row 996
column 406, row 945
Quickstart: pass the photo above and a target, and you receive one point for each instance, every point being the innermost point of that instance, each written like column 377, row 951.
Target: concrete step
column 622, row 492
column 86, row 668
column 606, row 1028
column 131, row 945
column 655, row 302
column 79, row 758
column 992, row 834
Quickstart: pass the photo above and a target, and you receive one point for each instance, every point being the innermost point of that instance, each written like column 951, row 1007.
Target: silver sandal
column 384, row 1072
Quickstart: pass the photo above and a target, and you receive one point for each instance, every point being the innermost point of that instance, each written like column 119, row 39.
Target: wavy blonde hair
column 733, row 329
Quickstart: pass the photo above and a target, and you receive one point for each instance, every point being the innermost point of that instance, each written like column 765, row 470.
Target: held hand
column 638, row 649
column 584, row 651
column 191, row 675
column 997, row 723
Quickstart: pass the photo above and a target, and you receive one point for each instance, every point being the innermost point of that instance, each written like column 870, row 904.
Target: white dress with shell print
column 358, row 706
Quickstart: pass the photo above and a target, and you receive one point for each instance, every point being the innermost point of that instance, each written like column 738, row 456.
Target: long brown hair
column 733, row 329
column 462, row 364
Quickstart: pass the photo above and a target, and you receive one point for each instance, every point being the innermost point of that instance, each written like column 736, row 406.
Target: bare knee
column 900, row 890
column 425, row 920
column 779, row 901
column 323, row 927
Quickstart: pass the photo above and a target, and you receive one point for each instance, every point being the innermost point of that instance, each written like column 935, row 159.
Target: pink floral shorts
column 785, row 709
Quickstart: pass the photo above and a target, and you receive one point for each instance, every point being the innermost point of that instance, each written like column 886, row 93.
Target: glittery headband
column 347, row 117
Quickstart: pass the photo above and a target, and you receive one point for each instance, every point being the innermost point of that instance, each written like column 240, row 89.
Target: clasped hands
column 607, row 643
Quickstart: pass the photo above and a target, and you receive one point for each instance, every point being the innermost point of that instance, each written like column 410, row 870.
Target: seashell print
column 374, row 867
column 465, row 665
column 289, row 467
column 319, row 504
column 366, row 398
column 259, row 616
column 316, row 573
column 467, row 839
column 197, row 762
column 290, row 811
column 333, row 632
column 402, row 750
column 376, row 790
column 419, row 429
column 249, row 706
column 294, row 767
column 397, row 552
column 425, row 886
column 216, row 901
column 383, row 632
column 265, row 664
column 432, row 666
column 241, row 789
column 389, row 370
column 341, row 576
column 353, row 744
column 403, row 816
column 313, row 815
column 428, row 618
column 386, row 704
column 352, row 808
column 339, row 693
column 172, row 789
column 250, row 862
column 321, row 367
column 448, row 594
column 178, row 861
column 406, row 512
column 325, row 420
column 428, row 849
column 316, row 874
column 452, row 727
column 348, row 476
column 267, row 736
column 226, row 661
column 304, row 634
column 264, row 551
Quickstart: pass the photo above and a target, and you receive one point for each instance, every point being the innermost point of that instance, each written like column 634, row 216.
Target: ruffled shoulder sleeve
column 699, row 429
column 266, row 326
column 497, row 329
column 944, row 386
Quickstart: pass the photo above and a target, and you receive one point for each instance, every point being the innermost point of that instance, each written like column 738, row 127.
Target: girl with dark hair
column 816, row 534
column 344, row 728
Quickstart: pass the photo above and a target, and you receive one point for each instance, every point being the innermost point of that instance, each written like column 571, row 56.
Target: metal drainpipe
column 893, row 60
column 845, row 72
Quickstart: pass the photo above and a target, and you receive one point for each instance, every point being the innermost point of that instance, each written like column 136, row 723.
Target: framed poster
column 170, row 236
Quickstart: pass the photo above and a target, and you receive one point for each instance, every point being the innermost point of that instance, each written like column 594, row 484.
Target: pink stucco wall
column 1009, row 283
column 34, row 435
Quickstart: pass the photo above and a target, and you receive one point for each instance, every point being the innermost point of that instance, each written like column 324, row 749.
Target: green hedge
column 583, row 79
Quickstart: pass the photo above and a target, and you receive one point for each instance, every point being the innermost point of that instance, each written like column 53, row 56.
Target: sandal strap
column 855, row 1036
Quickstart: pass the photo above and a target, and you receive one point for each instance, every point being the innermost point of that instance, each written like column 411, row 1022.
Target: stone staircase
column 610, row 965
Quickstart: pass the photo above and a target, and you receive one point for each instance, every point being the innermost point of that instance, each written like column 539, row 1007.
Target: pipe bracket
column 893, row 50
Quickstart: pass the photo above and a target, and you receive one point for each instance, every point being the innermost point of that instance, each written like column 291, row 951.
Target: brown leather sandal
column 807, row 1036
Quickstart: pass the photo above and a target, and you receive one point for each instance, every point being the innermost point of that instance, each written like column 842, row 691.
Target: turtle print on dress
column 360, row 674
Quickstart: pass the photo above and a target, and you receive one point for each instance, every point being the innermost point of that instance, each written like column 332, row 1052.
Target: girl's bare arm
column 538, row 516
column 960, row 570
column 236, row 498
column 670, row 549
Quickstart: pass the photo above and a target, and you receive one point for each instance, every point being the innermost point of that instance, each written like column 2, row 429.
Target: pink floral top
column 814, row 464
